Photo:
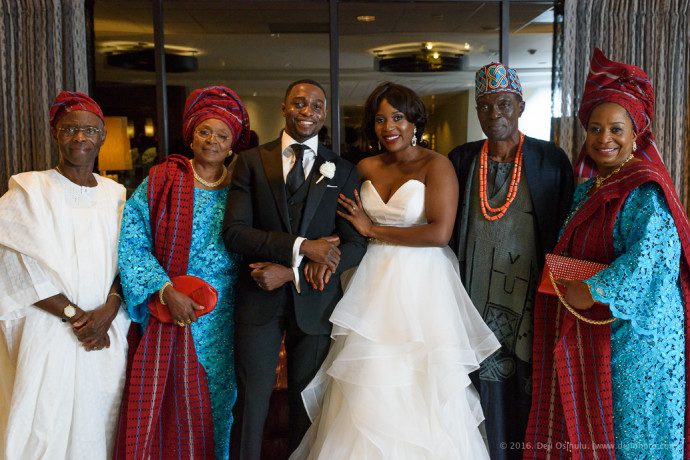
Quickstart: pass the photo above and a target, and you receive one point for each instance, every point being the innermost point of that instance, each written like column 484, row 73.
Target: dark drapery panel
column 42, row 51
column 652, row 34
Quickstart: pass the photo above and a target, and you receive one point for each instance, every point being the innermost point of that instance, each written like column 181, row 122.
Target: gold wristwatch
column 68, row 312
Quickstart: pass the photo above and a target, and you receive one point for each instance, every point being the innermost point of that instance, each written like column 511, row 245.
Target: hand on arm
column 317, row 275
column 354, row 213
column 352, row 243
column 323, row 250
column 92, row 327
column 270, row 276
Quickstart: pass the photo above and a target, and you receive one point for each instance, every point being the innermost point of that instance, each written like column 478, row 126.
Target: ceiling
column 257, row 47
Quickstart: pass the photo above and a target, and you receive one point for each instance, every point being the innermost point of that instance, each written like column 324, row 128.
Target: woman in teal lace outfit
column 647, row 339
column 213, row 129
column 602, row 389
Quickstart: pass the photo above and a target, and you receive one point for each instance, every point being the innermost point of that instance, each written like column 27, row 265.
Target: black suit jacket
column 257, row 225
column 549, row 175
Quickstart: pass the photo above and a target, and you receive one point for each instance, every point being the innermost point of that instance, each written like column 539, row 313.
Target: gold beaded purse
column 568, row 268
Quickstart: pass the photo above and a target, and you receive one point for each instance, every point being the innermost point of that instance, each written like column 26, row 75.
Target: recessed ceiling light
column 467, row 46
column 366, row 18
column 435, row 55
column 428, row 45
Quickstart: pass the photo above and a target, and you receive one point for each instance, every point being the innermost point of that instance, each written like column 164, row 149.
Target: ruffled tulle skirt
column 395, row 382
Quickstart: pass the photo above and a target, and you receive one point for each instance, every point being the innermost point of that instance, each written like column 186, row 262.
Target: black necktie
column 295, row 176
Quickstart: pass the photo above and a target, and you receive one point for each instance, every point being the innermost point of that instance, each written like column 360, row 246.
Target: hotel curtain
column 42, row 51
column 653, row 34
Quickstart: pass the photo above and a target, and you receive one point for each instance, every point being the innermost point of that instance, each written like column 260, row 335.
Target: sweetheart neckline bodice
column 396, row 190
column 404, row 208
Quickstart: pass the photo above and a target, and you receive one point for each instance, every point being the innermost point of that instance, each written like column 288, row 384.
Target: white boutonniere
column 327, row 170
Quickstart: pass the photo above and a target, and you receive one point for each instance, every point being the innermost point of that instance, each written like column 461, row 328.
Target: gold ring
column 188, row 321
column 179, row 323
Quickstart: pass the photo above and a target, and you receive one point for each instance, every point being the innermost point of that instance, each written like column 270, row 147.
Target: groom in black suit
column 281, row 216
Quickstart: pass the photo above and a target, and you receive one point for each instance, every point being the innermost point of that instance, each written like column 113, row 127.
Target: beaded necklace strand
column 208, row 183
column 489, row 212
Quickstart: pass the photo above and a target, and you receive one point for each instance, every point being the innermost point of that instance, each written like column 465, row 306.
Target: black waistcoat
column 296, row 203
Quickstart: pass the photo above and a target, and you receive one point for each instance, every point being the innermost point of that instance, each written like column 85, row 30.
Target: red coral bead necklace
column 491, row 213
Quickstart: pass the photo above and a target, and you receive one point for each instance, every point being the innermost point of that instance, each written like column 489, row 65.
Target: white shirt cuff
column 296, row 260
column 295, row 272
column 296, row 256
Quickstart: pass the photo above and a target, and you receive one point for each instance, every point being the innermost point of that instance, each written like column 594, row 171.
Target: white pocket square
column 331, row 186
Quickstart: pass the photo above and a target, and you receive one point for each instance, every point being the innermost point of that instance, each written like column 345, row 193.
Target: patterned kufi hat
column 497, row 78
column 69, row 101
column 217, row 102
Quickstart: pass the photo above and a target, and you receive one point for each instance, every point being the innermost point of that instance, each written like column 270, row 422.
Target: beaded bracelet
column 160, row 292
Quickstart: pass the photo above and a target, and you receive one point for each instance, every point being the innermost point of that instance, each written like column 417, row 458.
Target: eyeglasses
column 207, row 135
column 502, row 106
column 89, row 131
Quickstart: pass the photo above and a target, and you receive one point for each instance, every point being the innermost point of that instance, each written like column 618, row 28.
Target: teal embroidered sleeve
column 140, row 272
column 641, row 285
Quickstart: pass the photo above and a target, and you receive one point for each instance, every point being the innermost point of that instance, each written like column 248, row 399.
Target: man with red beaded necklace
column 515, row 192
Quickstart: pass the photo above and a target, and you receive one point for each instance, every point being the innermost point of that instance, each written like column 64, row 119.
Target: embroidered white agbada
column 57, row 400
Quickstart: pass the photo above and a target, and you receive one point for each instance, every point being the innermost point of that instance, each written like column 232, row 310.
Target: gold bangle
column 596, row 322
column 160, row 292
column 116, row 295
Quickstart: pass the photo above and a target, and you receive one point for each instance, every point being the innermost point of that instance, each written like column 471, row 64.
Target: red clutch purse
column 197, row 289
column 567, row 268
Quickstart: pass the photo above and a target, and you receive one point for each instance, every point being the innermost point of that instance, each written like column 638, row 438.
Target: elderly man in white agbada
column 63, row 344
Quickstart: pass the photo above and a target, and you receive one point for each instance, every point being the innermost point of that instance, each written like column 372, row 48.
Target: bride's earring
column 634, row 146
column 414, row 137
column 380, row 146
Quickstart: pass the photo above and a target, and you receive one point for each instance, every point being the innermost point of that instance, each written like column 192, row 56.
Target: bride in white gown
column 395, row 383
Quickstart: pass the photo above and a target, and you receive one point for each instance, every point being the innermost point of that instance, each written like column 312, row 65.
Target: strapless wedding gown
column 395, row 382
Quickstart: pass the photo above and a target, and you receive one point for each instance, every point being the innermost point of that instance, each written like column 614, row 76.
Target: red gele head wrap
column 628, row 86
column 221, row 103
column 69, row 101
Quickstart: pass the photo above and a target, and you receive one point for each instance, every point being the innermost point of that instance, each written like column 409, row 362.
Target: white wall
column 536, row 119
column 265, row 116
column 474, row 129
